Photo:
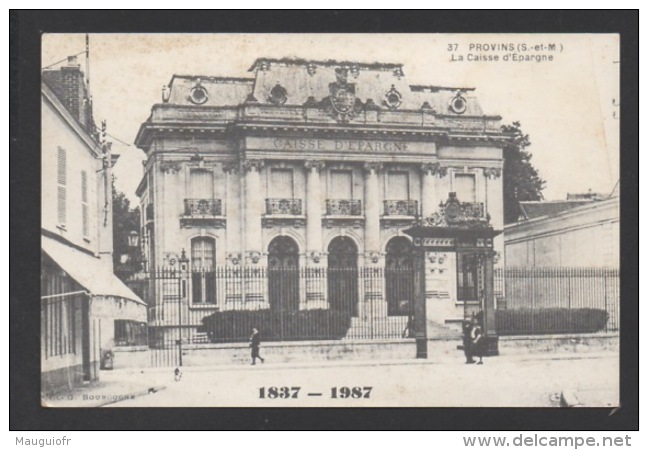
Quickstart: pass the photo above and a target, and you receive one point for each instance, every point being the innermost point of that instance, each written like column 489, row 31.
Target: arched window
column 203, row 276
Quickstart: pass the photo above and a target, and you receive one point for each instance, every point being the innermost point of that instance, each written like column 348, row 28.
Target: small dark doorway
column 399, row 277
column 343, row 275
column 283, row 274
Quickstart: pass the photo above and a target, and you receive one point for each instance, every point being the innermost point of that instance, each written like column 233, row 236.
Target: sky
column 568, row 106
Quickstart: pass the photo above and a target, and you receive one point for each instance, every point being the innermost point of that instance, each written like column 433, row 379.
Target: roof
column 88, row 271
column 306, row 81
column 531, row 210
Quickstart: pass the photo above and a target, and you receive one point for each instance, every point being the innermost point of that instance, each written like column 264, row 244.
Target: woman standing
column 478, row 342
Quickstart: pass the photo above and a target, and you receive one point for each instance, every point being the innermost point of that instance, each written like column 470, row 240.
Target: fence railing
column 286, row 303
column 543, row 300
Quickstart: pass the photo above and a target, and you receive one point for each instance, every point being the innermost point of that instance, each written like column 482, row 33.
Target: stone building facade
column 312, row 164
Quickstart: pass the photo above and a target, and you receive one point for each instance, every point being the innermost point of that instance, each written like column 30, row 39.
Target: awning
column 88, row 271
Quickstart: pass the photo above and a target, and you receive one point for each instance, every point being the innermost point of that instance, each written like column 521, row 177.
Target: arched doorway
column 283, row 274
column 343, row 275
column 399, row 277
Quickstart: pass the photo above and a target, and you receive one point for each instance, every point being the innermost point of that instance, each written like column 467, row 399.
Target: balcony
column 282, row 212
column 343, row 212
column 399, row 213
column 284, row 206
column 401, row 208
column 203, row 212
column 343, row 207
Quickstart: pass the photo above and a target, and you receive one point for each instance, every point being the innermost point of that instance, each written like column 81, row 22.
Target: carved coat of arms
column 342, row 103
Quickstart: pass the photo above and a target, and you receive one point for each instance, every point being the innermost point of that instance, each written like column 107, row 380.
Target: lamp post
column 182, row 292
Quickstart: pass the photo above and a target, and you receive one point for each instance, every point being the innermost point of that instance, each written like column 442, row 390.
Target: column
column 372, row 199
column 313, row 207
column 253, row 205
column 494, row 205
column 430, row 196
column 234, row 246
column 374, row 308
column 254, row 281
column 316, row 283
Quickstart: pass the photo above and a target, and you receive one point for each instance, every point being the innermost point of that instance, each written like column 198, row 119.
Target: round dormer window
column 198, row 95
column 278, row 95
column 393, row 98
column 458, row 104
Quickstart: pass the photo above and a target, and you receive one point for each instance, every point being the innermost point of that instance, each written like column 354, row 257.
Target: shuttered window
column 397, row 186
column 464, row 184
column 203, row 277
column 202, row 184
column 281, row 183
column 62, row 186
column 85, row 222
column 341, row 187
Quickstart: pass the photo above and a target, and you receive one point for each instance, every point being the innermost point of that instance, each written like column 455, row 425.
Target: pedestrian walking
column 478, row 342
column 255, row 343
column 467, row 340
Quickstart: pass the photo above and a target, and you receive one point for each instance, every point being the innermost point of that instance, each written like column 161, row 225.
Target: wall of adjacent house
column 585, row 236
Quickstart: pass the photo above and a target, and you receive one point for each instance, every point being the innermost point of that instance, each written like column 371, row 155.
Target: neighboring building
column 582, row 231
column 311, row 164
column 82, row 302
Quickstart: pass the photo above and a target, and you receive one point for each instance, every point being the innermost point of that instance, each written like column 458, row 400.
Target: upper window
column 281, row 183
column 62, row 186
column 202, row 184
column 341, row 185
column 465, row 187
column 397, row 186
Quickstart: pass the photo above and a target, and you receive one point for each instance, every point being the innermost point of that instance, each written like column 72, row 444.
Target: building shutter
column 62, row 186
column 202, row 184
column 397, row 186
column 340, row 187
column 281, row 183
column 85, row 224
column 464, row 184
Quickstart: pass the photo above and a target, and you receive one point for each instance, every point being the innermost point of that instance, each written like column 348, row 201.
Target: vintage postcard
column 329, row 220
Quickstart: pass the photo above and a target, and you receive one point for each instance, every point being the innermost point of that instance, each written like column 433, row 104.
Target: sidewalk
column 125, row 384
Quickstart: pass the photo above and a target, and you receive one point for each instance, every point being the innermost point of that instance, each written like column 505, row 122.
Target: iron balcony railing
column 203, row 207
column 343, row 207
column 401, row 207
column 473, row 209
column 284, row 206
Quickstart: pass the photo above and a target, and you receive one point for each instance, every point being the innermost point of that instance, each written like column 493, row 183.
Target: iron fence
column 222, row 304
column 543, row 300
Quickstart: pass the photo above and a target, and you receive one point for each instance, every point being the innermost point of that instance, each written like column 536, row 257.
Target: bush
column 549, row 321
column 236, row 326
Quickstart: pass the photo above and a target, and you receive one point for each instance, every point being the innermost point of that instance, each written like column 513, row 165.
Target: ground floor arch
column 343, row 275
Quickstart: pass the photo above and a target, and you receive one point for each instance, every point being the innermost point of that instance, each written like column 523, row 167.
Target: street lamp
column 133, row 239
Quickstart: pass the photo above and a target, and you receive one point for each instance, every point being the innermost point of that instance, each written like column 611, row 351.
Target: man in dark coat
column 467, row 341
column 255, row 343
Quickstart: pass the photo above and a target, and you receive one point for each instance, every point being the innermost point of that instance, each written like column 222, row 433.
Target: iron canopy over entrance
column 466, row 231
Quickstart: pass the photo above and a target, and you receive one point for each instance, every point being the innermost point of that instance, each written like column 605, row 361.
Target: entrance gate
column 399, row 277
column 283, row 274
column 343, row 275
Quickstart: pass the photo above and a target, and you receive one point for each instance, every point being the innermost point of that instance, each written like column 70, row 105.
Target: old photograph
column 330, row 220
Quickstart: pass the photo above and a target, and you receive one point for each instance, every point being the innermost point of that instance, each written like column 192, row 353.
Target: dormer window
column 458, row 104
column 198, row 94
column 278, row 95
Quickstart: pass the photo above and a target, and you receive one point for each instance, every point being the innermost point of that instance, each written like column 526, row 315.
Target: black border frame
column 25, row 30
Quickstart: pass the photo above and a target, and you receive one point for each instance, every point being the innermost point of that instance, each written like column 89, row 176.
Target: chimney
column 68, row 84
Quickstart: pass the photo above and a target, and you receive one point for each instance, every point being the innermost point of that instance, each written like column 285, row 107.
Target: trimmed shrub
column 236, row 326
column 549, row 321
